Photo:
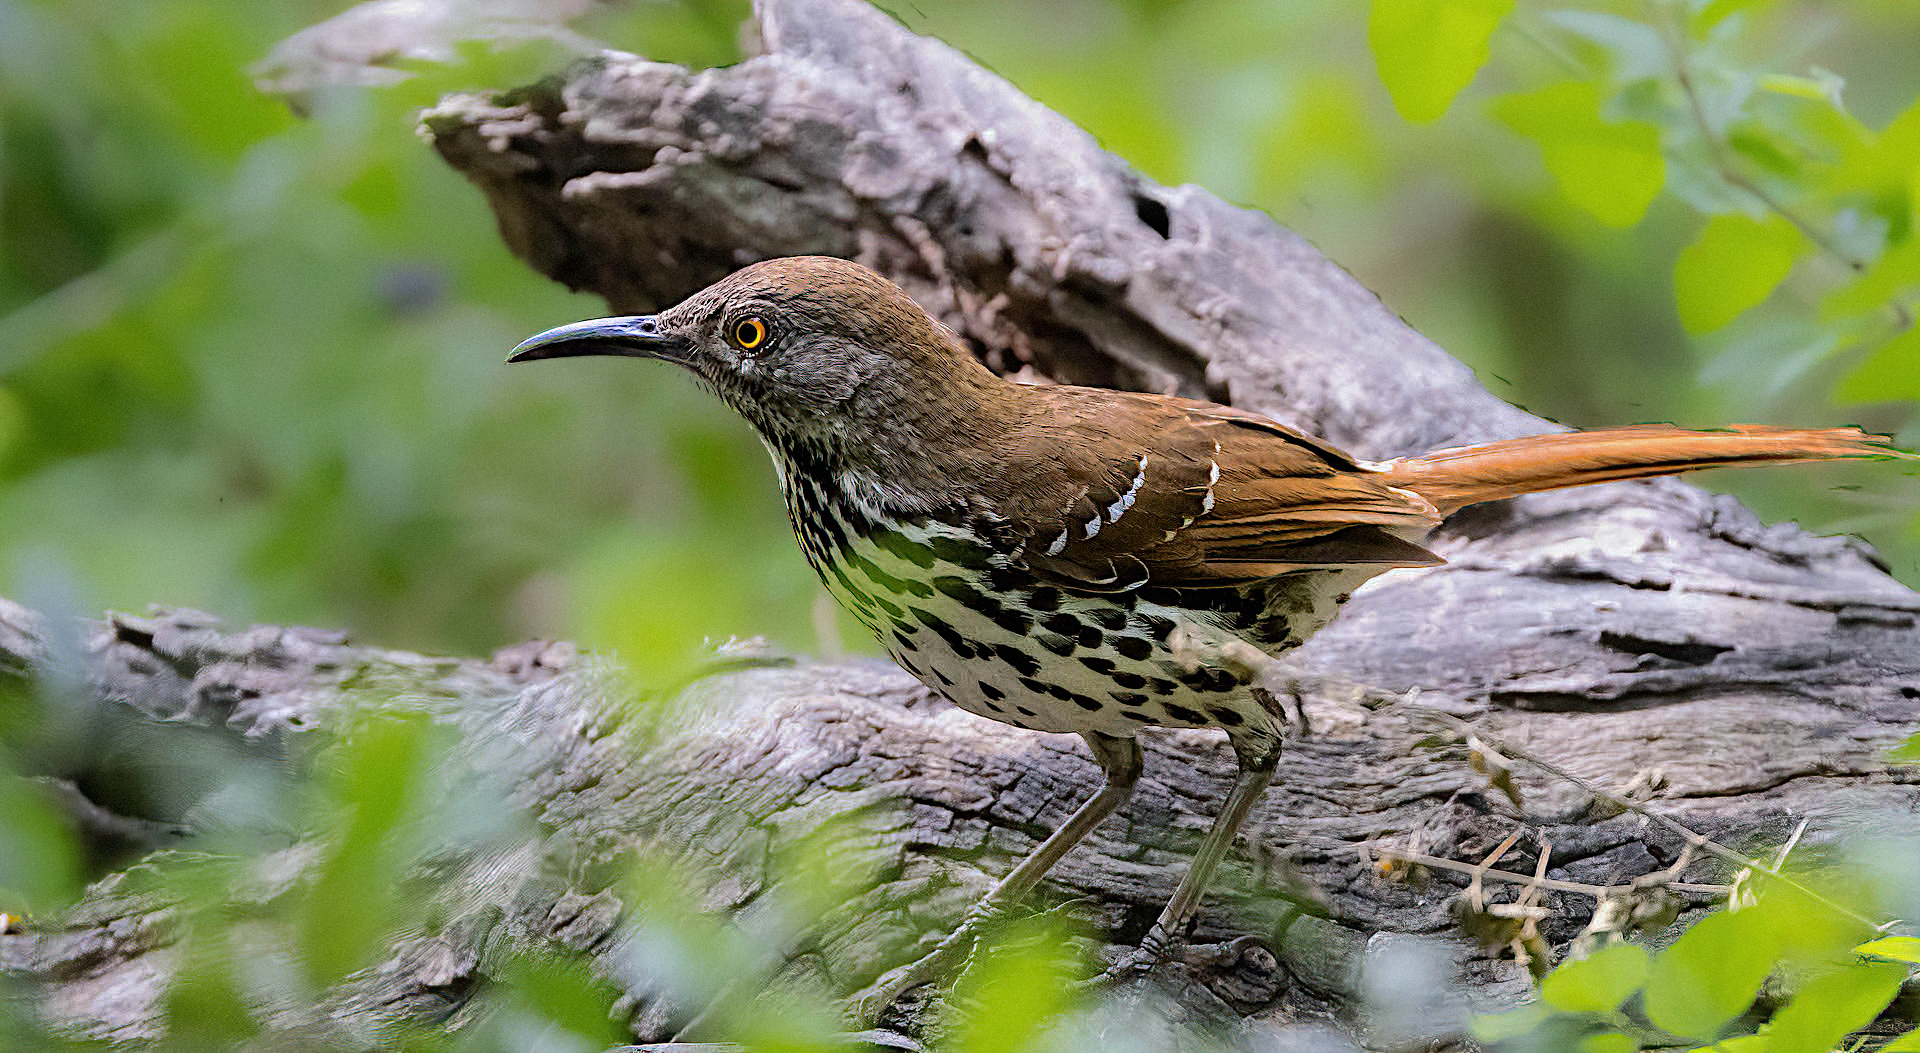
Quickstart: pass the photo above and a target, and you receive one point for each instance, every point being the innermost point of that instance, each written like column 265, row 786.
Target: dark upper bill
column 632, row 336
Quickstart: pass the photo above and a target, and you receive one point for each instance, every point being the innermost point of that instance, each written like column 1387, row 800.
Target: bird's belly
column 1037, row 657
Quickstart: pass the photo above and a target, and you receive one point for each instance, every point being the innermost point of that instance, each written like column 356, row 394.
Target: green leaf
column 1612, row 169
column 1894, row 273
column 566, row 992
column 1895, row 948
column 1014, row 988
column 1737, row 1044
column 1598, row 983
column 354, row 904
column 1710, row 975
column 1499, row 1027
column 1427, row 51
column 39, row 868
column 1735, row 263
column 1609, row 1042
column 1823, row 86
column 1717, row 11
column 1889, row 374
column 1907, row 1043
column 1829, row 1007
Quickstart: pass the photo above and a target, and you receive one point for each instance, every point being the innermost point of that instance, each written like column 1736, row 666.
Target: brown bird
column 1080, row 560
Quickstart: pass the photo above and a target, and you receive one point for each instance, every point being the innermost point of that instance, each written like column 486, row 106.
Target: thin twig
column 1691, row 838
column 1368, row 849
column 1723, row 163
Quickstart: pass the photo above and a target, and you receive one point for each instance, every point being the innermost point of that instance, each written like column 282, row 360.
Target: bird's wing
column 1123, row 490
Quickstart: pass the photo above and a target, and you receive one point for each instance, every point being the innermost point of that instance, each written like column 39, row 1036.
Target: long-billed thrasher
column 1081, row 560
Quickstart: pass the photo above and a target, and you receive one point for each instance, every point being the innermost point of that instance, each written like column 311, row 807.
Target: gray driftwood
column 1653, row 638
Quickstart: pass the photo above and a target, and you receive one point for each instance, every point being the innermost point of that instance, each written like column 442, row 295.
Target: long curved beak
column 633, row 336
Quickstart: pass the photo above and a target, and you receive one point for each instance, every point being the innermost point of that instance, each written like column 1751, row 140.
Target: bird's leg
column 1256, row 772
column 1120, row 759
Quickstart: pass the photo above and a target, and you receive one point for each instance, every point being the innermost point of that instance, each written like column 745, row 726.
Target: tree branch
column 1643, row 634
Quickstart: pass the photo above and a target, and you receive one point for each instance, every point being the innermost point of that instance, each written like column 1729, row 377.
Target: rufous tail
column 1464, row 475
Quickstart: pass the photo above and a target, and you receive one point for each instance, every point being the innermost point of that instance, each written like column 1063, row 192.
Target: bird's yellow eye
column 749, row 333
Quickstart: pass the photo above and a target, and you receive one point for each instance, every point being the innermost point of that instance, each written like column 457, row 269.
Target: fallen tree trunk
column 1657, row 641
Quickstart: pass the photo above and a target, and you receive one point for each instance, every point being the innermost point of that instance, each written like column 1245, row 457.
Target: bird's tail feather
column 1460, row 476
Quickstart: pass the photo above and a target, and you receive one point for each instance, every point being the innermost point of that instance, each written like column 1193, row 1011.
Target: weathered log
column 1648, row 635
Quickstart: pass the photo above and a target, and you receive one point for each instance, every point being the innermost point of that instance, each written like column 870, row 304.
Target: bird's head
column 810, row 349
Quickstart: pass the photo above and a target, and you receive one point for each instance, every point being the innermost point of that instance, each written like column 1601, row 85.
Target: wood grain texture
column 1638, row 630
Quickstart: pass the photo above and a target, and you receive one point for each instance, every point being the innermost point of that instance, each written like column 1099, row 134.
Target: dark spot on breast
column 897, row 586
column 1163, row 687
column 1130, row 680
column 958, row 589
column 908, row 663
column 1054, row 642
column 1184, row 715
column 904, row 641
column 821, row 524
column 1226, row 716
column 954, row 641
column 1044, row 599
column 1109, row 618
column 1005, row 581
column 849, row 592
column 893, row 612
column 959, row 553
column 902, row 547
column 1026, row 711
column 1033, row 685
column 993, row 692
column 993, row 707
column 1098, row 665
column 1059, row 691
column 1021, row 661
column 1159, row 628
column 1127, row 699
column 1133, row 647
column 1132, row 715
column 1210, row 680
column 1088, row 704
column 1063, row 623
column 942, row 676
column 1013, row 621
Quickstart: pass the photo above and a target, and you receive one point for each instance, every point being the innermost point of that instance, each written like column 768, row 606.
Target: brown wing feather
column 1176, row 492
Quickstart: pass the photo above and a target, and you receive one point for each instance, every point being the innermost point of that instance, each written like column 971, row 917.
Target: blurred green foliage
column 1699, row 989
column 252, row 364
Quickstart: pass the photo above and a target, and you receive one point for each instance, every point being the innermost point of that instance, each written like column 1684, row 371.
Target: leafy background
column 252, row 363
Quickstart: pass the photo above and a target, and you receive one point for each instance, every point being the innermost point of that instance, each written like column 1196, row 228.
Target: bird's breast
column 953, row 605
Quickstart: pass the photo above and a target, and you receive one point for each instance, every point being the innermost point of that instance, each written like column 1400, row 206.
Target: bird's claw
column 867, row 1006
column 877, row 997
column 1156, row 947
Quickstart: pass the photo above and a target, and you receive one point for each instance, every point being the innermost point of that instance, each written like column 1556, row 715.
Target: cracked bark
column 1651, row 632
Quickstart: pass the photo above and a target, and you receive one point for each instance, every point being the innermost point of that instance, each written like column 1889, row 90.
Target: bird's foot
column 868, row 1005
column 1156, row 948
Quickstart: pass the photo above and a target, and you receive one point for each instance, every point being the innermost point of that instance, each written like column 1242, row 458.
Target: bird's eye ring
column 749, row 334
